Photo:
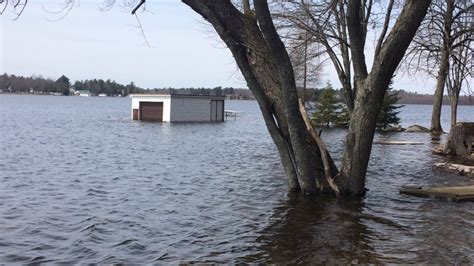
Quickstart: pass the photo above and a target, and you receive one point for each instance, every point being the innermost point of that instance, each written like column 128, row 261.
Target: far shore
column 421, row 99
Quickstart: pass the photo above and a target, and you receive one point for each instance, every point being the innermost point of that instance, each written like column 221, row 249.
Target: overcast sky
column 89, row 43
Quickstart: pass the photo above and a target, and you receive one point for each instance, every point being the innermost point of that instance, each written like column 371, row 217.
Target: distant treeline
column 407, row 97
column 19, row 84
column 312, row 95
column 63, row 86
column 108, row 87
column 230, row 92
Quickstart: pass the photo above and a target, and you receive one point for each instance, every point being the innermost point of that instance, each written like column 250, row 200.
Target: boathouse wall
column 187, row 109
column 177, row 108
column 165, row 99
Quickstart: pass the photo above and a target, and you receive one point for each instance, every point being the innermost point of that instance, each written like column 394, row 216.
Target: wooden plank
column 455, row 193
column 397, row 142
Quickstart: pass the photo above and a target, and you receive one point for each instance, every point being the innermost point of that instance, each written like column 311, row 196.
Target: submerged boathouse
column 177, row 108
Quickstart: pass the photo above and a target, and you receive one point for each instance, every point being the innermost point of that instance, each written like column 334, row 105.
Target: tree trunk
column 443, row 68
column 265, row 66
column 298, row 134
column 371, row 87
column 460, row 140
column 359, row 142
column 454, row 109
column 438, row 95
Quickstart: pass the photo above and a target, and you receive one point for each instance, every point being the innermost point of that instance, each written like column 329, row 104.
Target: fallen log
column 460, row 169
column 458, row 193
column 397, row 142
column 322, row 149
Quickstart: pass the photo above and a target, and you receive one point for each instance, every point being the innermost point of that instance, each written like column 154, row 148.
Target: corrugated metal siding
column 190, row 109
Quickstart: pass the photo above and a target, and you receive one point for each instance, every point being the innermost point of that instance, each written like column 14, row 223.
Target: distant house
column 177, row 108
column 102, row 95
column 85, row 93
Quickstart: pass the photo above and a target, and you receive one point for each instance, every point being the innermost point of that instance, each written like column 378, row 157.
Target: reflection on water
column 81, row 182
column 316, row 230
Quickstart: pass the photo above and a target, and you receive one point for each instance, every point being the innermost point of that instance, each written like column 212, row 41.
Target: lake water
column 81, row 182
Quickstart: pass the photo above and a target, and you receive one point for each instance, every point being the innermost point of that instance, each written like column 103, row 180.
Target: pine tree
column 327, row 106
column 342, row 116
column 389, row 110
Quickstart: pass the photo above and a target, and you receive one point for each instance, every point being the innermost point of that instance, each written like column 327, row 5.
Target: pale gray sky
column 89, row 43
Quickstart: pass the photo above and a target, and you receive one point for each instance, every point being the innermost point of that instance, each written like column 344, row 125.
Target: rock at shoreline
column 418, row 129
column 396, row 128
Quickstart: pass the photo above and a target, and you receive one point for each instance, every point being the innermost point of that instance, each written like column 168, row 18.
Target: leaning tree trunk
column 438, row 96
column 265, row 65
column 460, row 140
column 443, row 68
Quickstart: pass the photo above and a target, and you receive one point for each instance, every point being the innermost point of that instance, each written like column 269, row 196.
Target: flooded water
column 81, row 182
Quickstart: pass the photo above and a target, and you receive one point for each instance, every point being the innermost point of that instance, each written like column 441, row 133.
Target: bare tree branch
column 385, row 27
column 137, row 7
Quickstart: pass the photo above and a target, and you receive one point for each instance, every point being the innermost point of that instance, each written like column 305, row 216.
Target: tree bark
column 460, row 140
column 296, row 128
column 371, row 87
column 265, row 65
column 438, row 96
column 454, row 110
column 246, row 7
column 443, row 68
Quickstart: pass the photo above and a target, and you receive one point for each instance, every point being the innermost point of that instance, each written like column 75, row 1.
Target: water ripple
column 81, row 183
